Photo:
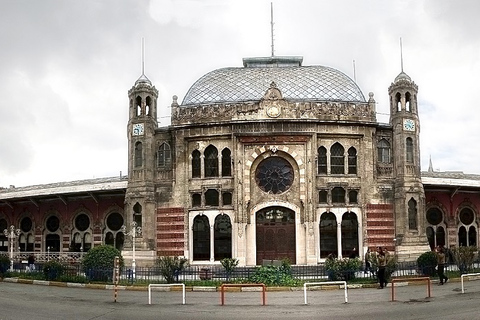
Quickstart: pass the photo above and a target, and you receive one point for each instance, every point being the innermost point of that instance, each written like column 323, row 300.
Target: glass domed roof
column 310, row 83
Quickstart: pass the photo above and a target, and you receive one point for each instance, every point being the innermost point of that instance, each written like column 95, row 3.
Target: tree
column 98, row 262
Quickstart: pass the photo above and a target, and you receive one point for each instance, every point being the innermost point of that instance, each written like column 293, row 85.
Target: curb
column 199, row 288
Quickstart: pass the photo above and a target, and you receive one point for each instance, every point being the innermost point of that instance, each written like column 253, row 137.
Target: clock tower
column 409, row 202
column 140, row 202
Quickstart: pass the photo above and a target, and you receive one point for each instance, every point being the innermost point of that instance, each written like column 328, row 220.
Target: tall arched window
column 138, row 155
column 328, row 234
column 322, row 160
column 398, row 101
column 226, row 163
column 164, row 156
column 408, row 105
column 137, row 214
column 27, row 235
column 352, row 160
column 113, row 234
column 201, row 238
column 138, row 104
column 223, row 237
column 409, row 149
column 412, row 214
column 148, row 105
column 81, row 236
column 349, row 234
column 467, row 233
column 211, row 161
column 196, row 164
column 337, row 159
column 383, row 150
column 435, row 232
column 52, row 229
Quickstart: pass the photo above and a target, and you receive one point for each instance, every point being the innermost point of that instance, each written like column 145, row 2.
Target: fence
column 218, row 273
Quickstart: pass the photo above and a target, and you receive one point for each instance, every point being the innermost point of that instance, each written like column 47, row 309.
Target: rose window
column 274, row 175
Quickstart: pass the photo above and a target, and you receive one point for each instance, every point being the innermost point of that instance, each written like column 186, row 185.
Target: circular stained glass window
column 53, row 224
column 434, row 216
column 82, row 222
column 274, row 175
column 26, row 224
column 114, row 221
column 466, row 216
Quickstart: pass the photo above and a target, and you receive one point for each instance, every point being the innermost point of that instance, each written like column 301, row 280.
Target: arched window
column 226, row 163
column 398, row 101
column 328, row 234
column 201, row 238
column 81, row 233
column 52, row 239
column 113, row 234
column 212, row 198
column 3, row 237
column 338, row 195
column 337, row 159
column 322, row 160
column 223, row 237
column 435, row 232
column 412, row 214
column 211, row 161
column 353, row 196
column 138, row 101
column 408, row 106
column 27, row 238
column 383, row 150
column 148, row 105
column 137, row 214
column 196, row 164
column 349, row 234
column 467, row 233
column 164, row 156
column 352, row 160
column 138, row 155
column 409, row 149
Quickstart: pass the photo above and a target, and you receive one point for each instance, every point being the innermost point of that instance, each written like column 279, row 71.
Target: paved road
column 27, row 301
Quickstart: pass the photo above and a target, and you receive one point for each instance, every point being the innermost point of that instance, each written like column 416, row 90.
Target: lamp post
column 133, row 232
column 11, row 235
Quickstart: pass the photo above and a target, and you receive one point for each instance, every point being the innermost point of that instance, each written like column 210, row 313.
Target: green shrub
column 4, row 264
column 229, row 264
column 275, row 275
column 464, row 257
column 427, row 262
column 170, row 267
column 53, row 270
column 98, row 262
column 342, row 269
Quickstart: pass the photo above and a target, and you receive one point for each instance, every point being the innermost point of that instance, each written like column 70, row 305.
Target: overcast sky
column 66, row 67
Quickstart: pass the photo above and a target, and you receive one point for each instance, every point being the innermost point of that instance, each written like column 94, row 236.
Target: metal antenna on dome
column 143, row 56
column 354, row 72
column 401, row 54
column 271, row 27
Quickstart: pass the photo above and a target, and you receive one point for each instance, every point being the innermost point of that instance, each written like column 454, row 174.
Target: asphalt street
column 31, row 301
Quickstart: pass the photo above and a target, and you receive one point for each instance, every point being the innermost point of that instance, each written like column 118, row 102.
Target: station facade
column 267, row 161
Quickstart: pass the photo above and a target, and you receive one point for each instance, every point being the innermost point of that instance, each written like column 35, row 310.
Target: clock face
column 408, row 125
column 138, row 129
column 273, row 111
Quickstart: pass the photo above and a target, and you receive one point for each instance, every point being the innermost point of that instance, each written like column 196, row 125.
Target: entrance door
column 276, row 234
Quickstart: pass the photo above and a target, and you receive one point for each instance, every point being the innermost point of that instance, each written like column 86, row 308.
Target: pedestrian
column 441, row 264
column 31, row 262
column 382, row 263
column 368, row 265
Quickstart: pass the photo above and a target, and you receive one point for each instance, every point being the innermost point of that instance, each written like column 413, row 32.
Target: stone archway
column 275, row 234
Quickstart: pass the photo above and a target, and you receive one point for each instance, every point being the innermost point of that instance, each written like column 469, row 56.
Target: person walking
column 382, row 264
column 31, row 263
column 441, row 265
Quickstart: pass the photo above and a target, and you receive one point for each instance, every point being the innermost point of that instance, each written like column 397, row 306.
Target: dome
column 402, row 76
column 296, row 82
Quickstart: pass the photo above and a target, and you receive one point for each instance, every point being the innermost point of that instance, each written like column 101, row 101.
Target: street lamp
column 134, row 232
column 11, row 235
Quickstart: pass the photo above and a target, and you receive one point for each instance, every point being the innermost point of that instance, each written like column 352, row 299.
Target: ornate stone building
column 267, row 161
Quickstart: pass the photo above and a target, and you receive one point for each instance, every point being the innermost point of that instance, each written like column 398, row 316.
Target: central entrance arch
column 275, row 234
